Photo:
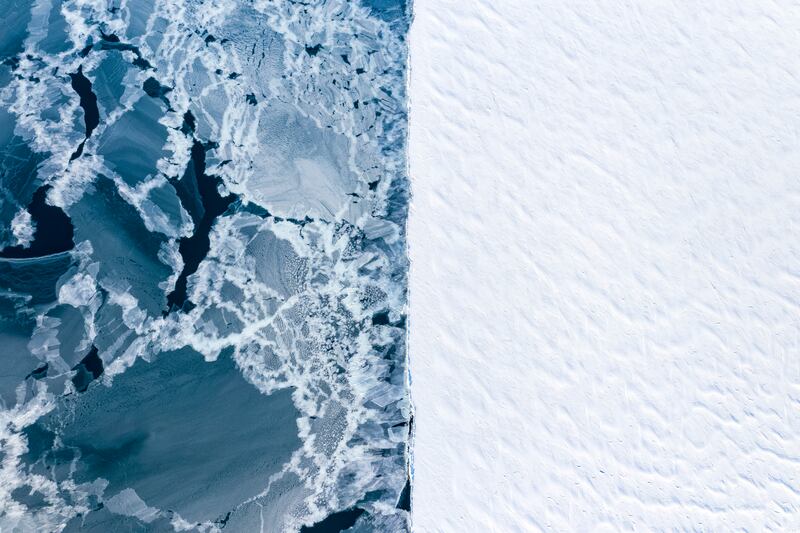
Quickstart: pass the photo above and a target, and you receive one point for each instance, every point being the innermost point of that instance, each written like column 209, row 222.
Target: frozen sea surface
column 605, row 254
column 203, row 266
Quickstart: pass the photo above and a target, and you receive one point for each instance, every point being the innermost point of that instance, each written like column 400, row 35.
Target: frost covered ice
column 202, row 266
column 605, row 256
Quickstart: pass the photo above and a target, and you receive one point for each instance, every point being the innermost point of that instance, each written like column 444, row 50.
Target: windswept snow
column 605, row 266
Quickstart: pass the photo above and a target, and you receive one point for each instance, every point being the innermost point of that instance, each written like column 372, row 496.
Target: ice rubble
column 300, row 112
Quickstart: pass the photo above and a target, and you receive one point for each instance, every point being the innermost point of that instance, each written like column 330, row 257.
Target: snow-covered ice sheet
column 605, row 273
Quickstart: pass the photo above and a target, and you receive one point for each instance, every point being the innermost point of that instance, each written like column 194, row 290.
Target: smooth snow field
column 605, row 279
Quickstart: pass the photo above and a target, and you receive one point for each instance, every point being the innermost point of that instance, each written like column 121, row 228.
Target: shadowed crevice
column 200, row 196
column 53, row 230
column 82, row 86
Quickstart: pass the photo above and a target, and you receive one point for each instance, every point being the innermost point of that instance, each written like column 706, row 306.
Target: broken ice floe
column 203, row 262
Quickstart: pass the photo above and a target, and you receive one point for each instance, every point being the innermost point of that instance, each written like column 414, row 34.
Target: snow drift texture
column 605, row 266
column 202, row 266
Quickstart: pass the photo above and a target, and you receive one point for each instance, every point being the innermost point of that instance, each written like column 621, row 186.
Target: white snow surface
column 605, row 265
